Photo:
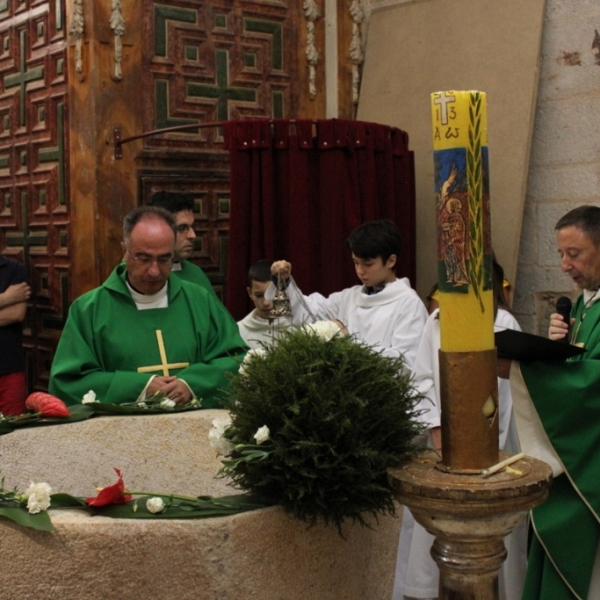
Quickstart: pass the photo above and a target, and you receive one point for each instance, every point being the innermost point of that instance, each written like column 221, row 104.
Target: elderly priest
column 145, row 330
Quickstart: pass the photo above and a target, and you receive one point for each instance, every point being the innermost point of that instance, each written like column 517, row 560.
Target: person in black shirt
column 14, row 294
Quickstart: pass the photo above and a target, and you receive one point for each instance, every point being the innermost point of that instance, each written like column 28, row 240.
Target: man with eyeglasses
column 145, row 330
column 182, row 209
column 557, row 410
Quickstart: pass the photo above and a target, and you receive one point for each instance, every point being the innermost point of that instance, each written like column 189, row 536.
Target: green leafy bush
column 338, row 415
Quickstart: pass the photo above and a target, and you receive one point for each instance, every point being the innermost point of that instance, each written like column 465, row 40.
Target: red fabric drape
column 299, row 188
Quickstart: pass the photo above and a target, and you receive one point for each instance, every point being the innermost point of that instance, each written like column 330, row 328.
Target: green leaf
column 78, row 413
column 66, row 501
column 40, row 521
column 102, row 408
column 202, row 508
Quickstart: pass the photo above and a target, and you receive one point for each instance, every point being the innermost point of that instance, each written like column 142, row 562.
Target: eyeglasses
column 146, row 260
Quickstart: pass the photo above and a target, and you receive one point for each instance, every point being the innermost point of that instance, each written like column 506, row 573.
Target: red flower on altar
column 47, row 405
column 113, row 494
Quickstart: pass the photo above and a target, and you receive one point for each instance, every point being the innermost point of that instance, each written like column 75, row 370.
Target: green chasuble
column 106, row 338
column 567, row 399
column 188, row 271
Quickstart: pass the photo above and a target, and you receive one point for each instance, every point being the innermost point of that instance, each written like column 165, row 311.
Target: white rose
column 216, row 437
column 38, row 497
column 324, row 329
column 254, row 353
column 155, row 505
column 167, row 403
column 262, row 434
column 89, row 397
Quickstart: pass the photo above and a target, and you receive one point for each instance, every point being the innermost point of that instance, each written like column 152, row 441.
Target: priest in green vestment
column 182, row 209
column 145, row 330
column 557, row 407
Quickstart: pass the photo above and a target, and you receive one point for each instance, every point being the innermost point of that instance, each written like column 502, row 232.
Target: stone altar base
column 264, row 554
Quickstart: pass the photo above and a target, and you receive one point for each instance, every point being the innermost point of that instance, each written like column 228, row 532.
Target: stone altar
column 263, row 554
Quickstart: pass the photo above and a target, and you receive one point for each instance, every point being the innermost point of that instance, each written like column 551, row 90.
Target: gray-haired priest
column 145, row 330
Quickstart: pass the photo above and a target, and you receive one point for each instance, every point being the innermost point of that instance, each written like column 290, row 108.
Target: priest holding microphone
column 557, row 407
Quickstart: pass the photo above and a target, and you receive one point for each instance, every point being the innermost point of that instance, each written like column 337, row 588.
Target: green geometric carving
column 273, row 29
column 199, row 204
column 224, row 205
column 27, row 239
column 57, row 153
column 4, row 161
column 221, row 91
column 191, row 53
column 23, row 77
column 162, row 14
column 221, row 21
column 277, row 98
column 50, row 322
column 161, row 97
column 58, row 16
column 3, row 5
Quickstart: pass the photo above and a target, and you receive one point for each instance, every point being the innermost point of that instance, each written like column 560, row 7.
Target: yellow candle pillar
column 469, row 390
column 464, row 241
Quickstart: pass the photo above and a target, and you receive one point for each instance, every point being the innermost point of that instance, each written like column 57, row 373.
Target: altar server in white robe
column 384, row 311
column 417, row 574
column 257, row 328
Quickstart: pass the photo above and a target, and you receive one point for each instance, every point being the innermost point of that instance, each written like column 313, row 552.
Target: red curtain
column 299, row 188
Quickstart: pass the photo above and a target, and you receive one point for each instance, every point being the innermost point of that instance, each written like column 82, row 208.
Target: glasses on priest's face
column 145, row 260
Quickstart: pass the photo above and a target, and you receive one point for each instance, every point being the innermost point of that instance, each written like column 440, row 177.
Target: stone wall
column 565, row 158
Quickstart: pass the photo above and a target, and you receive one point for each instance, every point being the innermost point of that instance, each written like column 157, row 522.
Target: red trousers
column 13, row 391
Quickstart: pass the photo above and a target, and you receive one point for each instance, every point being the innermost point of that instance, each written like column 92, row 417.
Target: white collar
column 591, row 296
column 157, row 300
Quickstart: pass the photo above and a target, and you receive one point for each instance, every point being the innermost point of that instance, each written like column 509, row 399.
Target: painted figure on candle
column 461, row 180
column 453, row 219
column 454, row 238
column 452, row 232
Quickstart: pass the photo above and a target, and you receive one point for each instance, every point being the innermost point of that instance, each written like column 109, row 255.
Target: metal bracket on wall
column 118, row 141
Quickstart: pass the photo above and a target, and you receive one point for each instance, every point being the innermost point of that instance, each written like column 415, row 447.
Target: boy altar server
column 383, row 311
column 255, row 327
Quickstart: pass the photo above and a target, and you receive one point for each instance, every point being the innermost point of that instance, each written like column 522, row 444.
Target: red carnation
column 48, row 405
column 113, row 494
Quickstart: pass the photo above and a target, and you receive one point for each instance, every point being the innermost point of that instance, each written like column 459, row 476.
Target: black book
column 526, row 347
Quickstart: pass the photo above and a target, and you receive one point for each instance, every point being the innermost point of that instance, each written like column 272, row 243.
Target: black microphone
column 563, row 308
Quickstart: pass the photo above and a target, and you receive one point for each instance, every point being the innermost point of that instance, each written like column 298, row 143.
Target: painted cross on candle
column 442, row 99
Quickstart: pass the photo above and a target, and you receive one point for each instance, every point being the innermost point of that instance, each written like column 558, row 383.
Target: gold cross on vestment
column 164, row 365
